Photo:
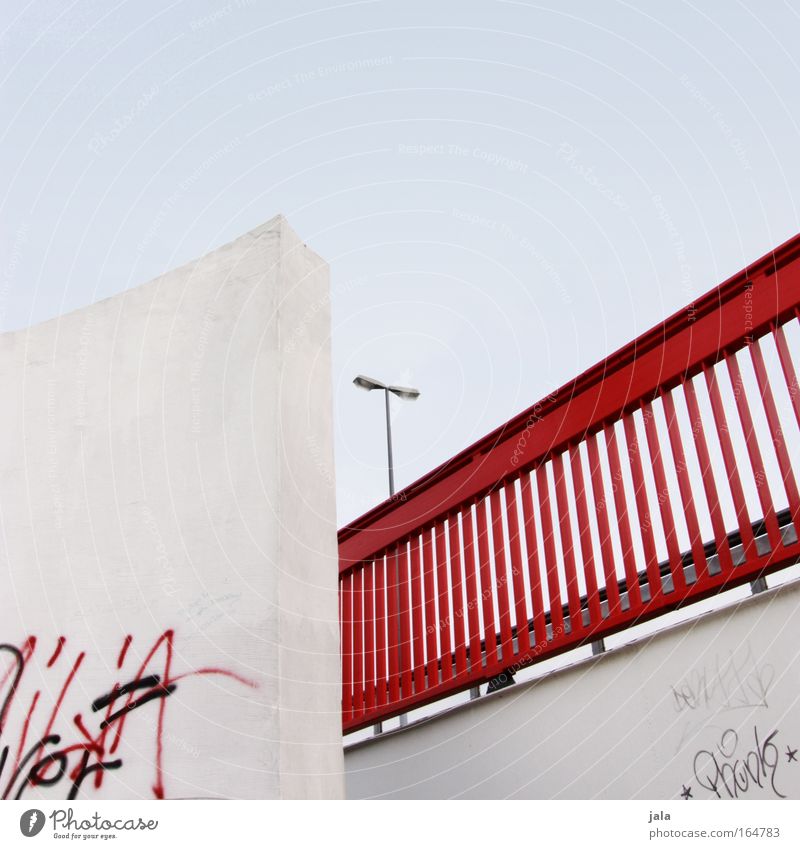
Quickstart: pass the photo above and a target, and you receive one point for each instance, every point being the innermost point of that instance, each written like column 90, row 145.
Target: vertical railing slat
column 381, row 694
column 457, row 586
column 664, row 503
column 445, row 655
column 406, row 688
column 548, row 541
column 778, row 436
column 501, row 577
column 587, row 552
column 534, row 567
column 603, row 527
column 346, row 587
column 754, row 453
column 792, row 386
column 473, row 614
column 392, row 593
column 431, row 625
column 417, row 623
column 643, row 510
column 358, row 641
column 369, row 636
column 489, row 628
column 731, row 467
column 789, row 372
column 517, row 576
column 567, row 546
column 685, row 488
column 623, row 523
column 721, row 541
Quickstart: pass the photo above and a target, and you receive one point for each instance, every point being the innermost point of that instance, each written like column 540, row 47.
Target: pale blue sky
column 505, row 191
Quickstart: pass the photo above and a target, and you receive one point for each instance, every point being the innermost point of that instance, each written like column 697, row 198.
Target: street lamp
column 407, row 394
column 404, row 392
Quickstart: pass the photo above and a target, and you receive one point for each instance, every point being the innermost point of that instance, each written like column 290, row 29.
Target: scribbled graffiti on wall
column 74, row 752
column 733, row 680
column 749, row 757
column 738, row 764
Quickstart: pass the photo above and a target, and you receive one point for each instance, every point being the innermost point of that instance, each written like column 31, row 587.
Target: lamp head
column 369, row 383
column 405, row 392
column 364, row 382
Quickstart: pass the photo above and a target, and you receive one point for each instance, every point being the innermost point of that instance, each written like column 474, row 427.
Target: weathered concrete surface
column 166, row 474
column 712, row 703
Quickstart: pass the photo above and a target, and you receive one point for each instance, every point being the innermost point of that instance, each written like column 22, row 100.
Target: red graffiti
column 124, row 650
column 57, row 652
column 78, row 753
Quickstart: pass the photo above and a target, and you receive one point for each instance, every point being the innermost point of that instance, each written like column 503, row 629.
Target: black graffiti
column 78, row 749
column 51, row 739
column 37, row 773
column 130, row 687
column 86, row 769
column 730, row 770
column 46, row 762
column 19, row 662
column 161, row 693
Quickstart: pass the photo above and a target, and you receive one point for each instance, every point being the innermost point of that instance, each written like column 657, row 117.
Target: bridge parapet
column 661, row 476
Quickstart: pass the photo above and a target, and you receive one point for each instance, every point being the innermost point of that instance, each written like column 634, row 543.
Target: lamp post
column 407, row 394
column 404, row 392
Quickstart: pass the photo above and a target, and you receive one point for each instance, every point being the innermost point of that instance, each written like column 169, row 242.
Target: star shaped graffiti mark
column 791, row 754
column 687, row 792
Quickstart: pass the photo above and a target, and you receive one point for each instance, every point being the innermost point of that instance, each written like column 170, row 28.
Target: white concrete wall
column 713, row 703
column 166, row 482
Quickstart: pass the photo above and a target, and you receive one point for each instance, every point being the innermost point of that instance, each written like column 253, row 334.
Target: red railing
column 659, row 477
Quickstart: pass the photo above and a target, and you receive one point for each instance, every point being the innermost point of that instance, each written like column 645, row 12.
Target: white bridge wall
column 710, row 707
column 167, row 509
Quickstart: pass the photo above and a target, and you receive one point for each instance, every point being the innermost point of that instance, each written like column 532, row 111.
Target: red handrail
column 587, row 512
